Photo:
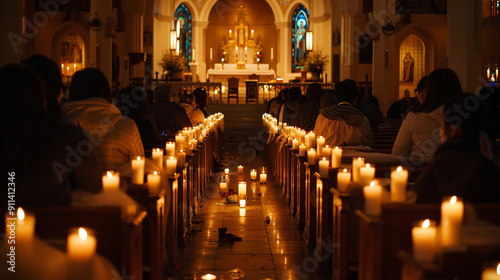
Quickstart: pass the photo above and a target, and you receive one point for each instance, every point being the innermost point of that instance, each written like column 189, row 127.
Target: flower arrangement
column 316, row 62
column 259, row 51
column 223, row 51
column 173, row 62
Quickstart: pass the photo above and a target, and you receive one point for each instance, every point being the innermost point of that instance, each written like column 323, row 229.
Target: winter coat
column 115, row 137
column 340, row 124
column 195, row 115
column 418, row 137
column 306, row 114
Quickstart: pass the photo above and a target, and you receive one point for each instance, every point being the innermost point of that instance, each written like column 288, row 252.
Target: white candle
column 74, row 68
column 25, row 228
column 343, row 180
column 311, row 156
column 373, row 199
column 308, row 142
column 208, row 277
column 252, row 34
column 230, row 33
column 399, row 178
column 243, row 203
column 111, row 180
column 491, row 273
column 302, row 150
column 326, row 152
column 452, row 212
column 180, row 140
column 226, row 170
column 366, row 174
column 356, row 165
column 154, row 182
column 320, row 142
column 67, row 70
column 263, row 178
column 324, row 166
column 81, row 245
column 193, row 58
column 62, row 69
column 242, row 190
column 336, row 157
column 170, row 147
column 171, row 165
column 272, row 53
column 240, row 169
column 194, row 144
column 223, row 186
column 289, row 141
column 424, row 241
column 181, row 159
column 211, row 53
column 295, row 144
column 158, row 157
column 253, row 174
column 138, row 171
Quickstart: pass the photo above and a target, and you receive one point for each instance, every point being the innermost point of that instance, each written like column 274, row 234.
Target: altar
column 220, row 75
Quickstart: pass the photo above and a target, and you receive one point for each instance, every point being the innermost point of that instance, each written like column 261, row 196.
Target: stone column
column 100, row 44
column 197, row 42
column 282, row 57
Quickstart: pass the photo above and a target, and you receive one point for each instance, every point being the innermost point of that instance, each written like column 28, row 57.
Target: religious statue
column 300, row 42
column 408, row 68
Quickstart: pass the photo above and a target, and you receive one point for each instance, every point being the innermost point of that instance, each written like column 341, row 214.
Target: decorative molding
column 320, row 19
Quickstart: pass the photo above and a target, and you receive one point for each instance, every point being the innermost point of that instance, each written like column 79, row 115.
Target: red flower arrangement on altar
column 223, row 51
column 259, row 52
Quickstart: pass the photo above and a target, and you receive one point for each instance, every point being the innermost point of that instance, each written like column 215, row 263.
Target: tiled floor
column 268, row 251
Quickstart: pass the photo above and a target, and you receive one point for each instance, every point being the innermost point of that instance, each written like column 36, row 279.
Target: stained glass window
column 495, row 7
column 300, row 25
column 183, row 26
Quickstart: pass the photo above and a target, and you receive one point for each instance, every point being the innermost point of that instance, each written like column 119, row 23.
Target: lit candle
column 67, row 70
column 311, row 156
column 74, row 68
column 452, row 212
column 295, row 144
column 180, row 140
column 366, row 174
column 171, row 165
column 240, row 169
column 226, row 170
column 170, row 147
column 25, row 230
column 343, row 180
column 487, row 72
column 326, row 152
column 62, row 69
column 399, row 178
column 242, row 190
column 230, row 33
column 289, row 141
column 111, row 180
column 193, row 58
column 208, row 277
column 263, row 177
column 252, row 34
column 158, row 157
column 223, row 186
column 272, row 53
column 308, row 142
column 211, row 51
column 253, row 174
column 154, row 182
column 491, row 273
column 424, row 241
column 81, row 245
column 324, row 165
column 181, row 159
column 194, row 144
column 373, row 199
column 336, row 157
column 356, row 165
column 243, row 203
column 138, row 171
column 302, row 150
column 320, row 142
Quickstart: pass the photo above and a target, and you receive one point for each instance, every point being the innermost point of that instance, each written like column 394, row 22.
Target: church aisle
column 267, row 251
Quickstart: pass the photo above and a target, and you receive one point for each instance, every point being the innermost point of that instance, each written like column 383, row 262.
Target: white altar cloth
column 219, row 75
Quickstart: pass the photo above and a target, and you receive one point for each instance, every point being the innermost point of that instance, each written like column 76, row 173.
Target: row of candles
column 68, row 69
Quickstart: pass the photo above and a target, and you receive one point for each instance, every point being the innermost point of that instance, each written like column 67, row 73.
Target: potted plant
column 315, row 63
column 174, row 64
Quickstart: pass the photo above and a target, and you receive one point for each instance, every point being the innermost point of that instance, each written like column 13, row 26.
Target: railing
column 213, row 89
column 271, row 90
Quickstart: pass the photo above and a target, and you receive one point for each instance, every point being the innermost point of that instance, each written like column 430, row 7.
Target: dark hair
column 200, row 96
column 314, row 92
column 188, row 98
column 347, row 91
column 294, row 93
column 440, row 86
column 50, row 73
column 467, row 112
column 163, row 93
column 421, row 84
column 89, row 82
column 131, row 101
column 286, row 93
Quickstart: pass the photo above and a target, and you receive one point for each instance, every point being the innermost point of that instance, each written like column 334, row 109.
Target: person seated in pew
column 195, row 114
column 169, row 116
column 287, row 109
column 465, row 163
column 344, row 124
column 418, row 137
column 201, row 98
column 46, row 159
column 274, row 104
column 307, row 112
column 328, row 99
column 115, row 137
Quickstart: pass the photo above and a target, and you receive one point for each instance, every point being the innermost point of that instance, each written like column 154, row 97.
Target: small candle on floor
column 253, row 174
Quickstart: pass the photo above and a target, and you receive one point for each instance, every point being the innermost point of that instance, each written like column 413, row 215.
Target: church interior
column 250, row 139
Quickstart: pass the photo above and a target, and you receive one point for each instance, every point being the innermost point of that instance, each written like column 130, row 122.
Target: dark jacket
column 306, row 114
column 169, row 116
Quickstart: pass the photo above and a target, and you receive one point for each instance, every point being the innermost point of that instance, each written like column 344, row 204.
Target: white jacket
column 115, row 137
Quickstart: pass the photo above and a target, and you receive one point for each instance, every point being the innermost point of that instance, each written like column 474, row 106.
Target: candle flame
column 426, row 223
column 367, row 165
column 453, row 200
column 498, row 269
column 336, row 147
column 326, row 146
column 82, row 233
column 139, row 158
column 109, row 174
column 345, row 170
column 155, row 173
column 312, row 149
column 399, row 169
column 20, row 214
column 359, row 159
column 171, row 158
column 324, row 158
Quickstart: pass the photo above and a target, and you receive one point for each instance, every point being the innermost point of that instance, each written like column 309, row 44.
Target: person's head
column 464, row 116
column 327, row 100
column 286, row 93
column 50, row 73
column 163, row 93
column 420, row 90
column 347, row 91
column 440, row 86
column 314, row 92
column 188, row 99
column 131, row 101
column 87, row 83
column 294, row 94
column 201, row 97
column 23, row 93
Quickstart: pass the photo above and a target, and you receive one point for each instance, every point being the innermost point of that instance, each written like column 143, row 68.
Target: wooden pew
column 300, row 172
column 309, row 232
column 171, row 217
column 120, row 242
column 293, row 182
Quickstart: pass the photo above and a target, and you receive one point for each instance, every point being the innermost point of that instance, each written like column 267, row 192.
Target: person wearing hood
column 115, row 137
column 275, row 103
column 344, row 124
column 418, row 137
column 307, row 112
column 287, row 109
column 195, row 115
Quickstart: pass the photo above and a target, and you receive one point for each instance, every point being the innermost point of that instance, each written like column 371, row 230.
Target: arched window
column 300, row 24
column 183, row 26
column 495, row 7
